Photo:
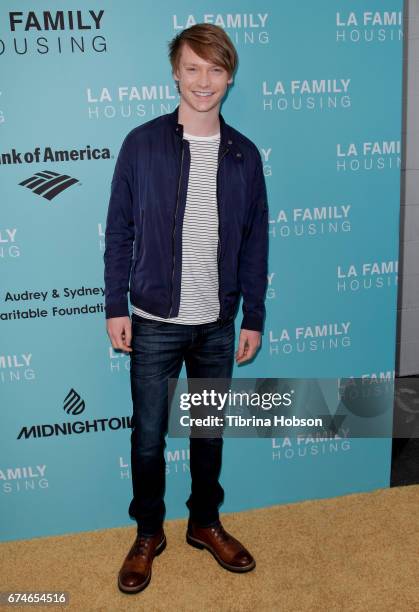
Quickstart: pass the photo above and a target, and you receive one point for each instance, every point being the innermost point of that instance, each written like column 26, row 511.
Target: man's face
column 202, row 84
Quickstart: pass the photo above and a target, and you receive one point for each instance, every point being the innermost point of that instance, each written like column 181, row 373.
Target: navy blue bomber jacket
column 143, row 237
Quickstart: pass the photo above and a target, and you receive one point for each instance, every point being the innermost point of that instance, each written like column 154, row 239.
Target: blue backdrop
column 319, row 91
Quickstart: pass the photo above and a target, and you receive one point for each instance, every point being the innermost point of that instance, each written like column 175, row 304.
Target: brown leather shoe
column 228, row 551
column 135, row 573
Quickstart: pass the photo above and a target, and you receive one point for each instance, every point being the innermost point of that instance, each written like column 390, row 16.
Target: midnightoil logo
column 48, row 184
column 74, row 405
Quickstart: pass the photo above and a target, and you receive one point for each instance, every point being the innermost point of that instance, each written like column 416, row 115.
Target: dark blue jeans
column 159, row 351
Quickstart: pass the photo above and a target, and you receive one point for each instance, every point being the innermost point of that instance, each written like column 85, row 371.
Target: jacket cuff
column 117, row 310
column 253, row 323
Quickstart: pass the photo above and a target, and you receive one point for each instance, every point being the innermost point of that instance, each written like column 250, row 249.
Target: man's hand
column 119, row 332
column 249, row 342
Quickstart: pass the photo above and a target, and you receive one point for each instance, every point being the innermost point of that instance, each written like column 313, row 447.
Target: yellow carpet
column 358, row 552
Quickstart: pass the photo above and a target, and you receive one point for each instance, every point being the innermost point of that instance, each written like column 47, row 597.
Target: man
column 186, row 233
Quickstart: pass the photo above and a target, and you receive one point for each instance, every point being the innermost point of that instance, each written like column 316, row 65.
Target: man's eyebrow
column 194, row 64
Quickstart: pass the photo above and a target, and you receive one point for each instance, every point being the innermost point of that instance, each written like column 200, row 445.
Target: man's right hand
column 119, row 332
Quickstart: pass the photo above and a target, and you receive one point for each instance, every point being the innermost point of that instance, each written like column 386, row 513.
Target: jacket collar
column 227, row 140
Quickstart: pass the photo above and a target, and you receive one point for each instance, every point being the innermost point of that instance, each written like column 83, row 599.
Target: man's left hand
column 249, row 342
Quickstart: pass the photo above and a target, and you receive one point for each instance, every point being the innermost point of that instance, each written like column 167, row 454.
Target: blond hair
column 208, row 41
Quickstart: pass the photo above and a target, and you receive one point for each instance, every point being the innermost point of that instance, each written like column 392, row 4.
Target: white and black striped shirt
column 199, row 301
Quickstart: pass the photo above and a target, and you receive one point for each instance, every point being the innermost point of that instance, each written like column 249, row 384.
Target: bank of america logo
column 73, row 404
column 48, row 184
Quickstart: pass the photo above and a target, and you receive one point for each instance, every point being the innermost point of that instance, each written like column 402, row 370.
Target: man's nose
column 203, row 79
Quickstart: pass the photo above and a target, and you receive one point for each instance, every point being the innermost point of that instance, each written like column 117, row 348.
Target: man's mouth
column 203, row 94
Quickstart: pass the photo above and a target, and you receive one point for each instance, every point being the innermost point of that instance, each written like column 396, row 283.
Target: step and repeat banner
column 318, row 90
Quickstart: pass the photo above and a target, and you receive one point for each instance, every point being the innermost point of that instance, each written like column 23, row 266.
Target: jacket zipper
column 174, row 227
column 219, row 233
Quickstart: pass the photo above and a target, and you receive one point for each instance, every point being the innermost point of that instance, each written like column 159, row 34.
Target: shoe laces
column 220, row 533
column 141, row 547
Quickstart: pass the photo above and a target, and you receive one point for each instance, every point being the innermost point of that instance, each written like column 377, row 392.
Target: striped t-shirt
column 199, row 301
